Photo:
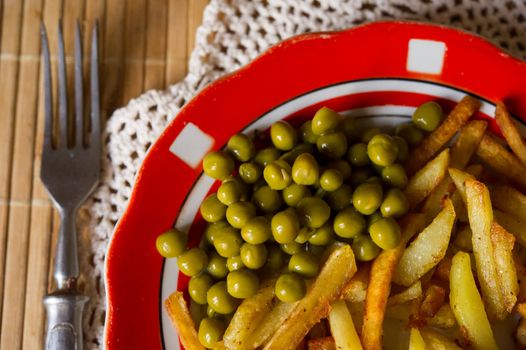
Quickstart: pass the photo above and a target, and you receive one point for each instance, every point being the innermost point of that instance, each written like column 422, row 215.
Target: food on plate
column 323, row 235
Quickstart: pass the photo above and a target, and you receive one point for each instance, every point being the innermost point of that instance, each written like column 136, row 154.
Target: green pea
column 394, row 175
column 241, row 147
column 197, row 311
column 367, row 197
column 267, row 156
column 192, row 261
column 395, row 204
column 340, row 198
column 218, row 165
column 283, row 135
column 374, row 217
column 277, row 175
column 293, row 193
column 285, row 226
column 267, row 199
column 323, row 235
column 305, row 170
column 250, row 172
column 257, row 230
column 342, row 166
column 303, row 235
column 382, row 150
column 348, row 223
column 212, row 229
column 242, row 284
column 331, row 180
column 428, row 116
column 275, row 259
column 325, row 120
column 313, row 211
column 219, row 299
column 385, row 233
column 368, row 134
column 290, row 287
column 317, row 250
column 333, row 145
column 304, row 264
column 238, row 213
column 364, row 248
column 253, row 255
column 171, row 243
column 212, row 210
column 229, row 192
column 211, row 312
column 357, row 155
column 350, row 128
column 228, row 242
column 234, row 263
column 410, row 133
column 210, row 331
column 360, row 176
column 198, row 286
column 403, row 149
column 291, row 248
column 217, row 266
column 306, row 133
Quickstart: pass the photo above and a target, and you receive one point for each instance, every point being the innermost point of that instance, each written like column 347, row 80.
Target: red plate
column 383, row 69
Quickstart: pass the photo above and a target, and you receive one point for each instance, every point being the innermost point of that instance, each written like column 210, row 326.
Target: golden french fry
column 356, row 289
column 342, row 327
column 437, row 341
column 319, row 330
column 380, row 283
column 481, row 219
column 248, row 317
column 509, row 200
column 427, row 178
column 271, row 322
column 467, row 304
column 521, row 309
column 520, row 333
column 521, row 276
column 219, row 346
column 433, row 203
column 499, row 159
column 438, row 138
column 434, row 298
column 512, row 224
column 326, row 288
column 444, row 318
column 443, row 269
column 180, row 315
column 412, row 292
column 326, row 343
column 510, row 132
column 464, row 238
column 428, row 248
column 503, row 243
column 459, row 178
column 468, row 140
column 416, row 342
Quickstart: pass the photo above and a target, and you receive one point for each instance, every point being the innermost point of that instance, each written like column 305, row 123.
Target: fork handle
column 64, row 315
column 66, row 270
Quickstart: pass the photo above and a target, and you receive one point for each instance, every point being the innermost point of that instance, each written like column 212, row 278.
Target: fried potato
column 464, row 239
column 412, row 292
column 319, row 330
column 271, row 322
column 356, row 289
column 503, row 243
column 468, row 140
column 509, row 200
column 520, row 333
column 248, row 317
column 416, row 342
column 481, row 219
column 510, row 132
column 467, row 304
column 427, row 178
column 326, row 288
column 459, row 178
column 437, row 341
column 326, row 343
column 342, row 327
column 521, row 309
column 521, row 276
column 433, row 203
column 428, row 248
column 443, row 269
column 219, row 346
column 499, row 159
column 432, row 144
column 180, row 315
column 434, row 298
column 379, row 287
column 444, row 318
column 512, row 224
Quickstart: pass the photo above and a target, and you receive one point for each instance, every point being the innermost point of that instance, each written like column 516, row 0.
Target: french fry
column 248, row 317
column 342, row 327
column 432, row 144
column 468, row 140
column 427, row 178
column 499, row 159
column 180, row 315
column 437, row 341
column 503, row 243
column 219, row 346
column 416, row 342
column 433, row 203
column 521, row 309
column 509, row 200
column 319, row 330
column 521, row 276
column 271, row 322
column 434, row 298
column 512, row 224
column 467, row 304
column 356, row 289
column 444, row 318
column 428, row 248
column 443, row 269
column 412, row 292
column 510, row 132
column 326, row 343
column 379, row 287
column 464, row 239
column 520, row 333
column 326, row 288
column 459, row 178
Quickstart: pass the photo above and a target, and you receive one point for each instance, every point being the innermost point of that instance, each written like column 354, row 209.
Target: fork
column 70, row 171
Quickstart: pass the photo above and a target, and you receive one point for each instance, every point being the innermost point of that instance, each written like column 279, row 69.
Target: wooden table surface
column 145, row 44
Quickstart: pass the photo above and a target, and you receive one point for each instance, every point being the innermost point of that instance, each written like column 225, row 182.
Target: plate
column 382, row 70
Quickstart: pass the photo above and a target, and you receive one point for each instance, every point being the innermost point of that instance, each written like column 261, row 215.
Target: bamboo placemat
column 145, row 44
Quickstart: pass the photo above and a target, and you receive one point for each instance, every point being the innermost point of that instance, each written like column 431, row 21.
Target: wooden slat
column 177, row 38
column 155, row 44
column 195, row 17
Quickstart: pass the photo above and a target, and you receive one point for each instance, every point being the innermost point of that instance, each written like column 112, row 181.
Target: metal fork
column 70, row 171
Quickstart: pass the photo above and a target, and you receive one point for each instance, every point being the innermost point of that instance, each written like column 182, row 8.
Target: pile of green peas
column 323, row 183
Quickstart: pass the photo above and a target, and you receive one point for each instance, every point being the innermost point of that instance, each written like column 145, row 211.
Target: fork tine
column 79, row 90
column 94, row 80
column 48, row 93
column 62, row 91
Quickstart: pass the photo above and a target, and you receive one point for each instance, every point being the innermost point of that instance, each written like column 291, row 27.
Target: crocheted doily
column 232, row 34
